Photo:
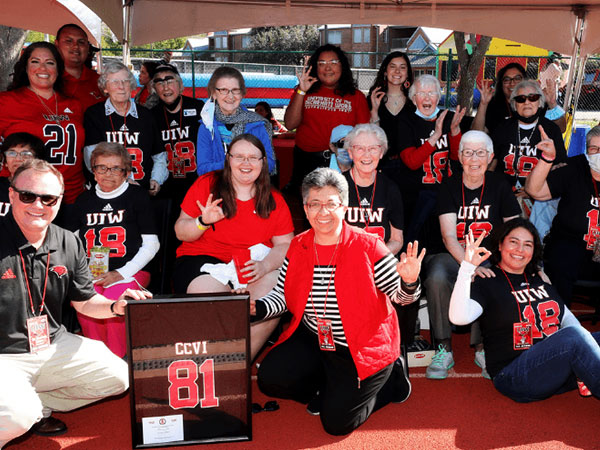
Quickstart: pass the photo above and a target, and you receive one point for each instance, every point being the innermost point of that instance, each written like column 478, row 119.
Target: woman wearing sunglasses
column 326, row 96
column 224, row 118
column 516, row 139
column 117, row 217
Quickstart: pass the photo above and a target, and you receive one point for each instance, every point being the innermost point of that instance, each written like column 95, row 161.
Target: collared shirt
column 69, row 279
column 109, row 109
column 85, row 88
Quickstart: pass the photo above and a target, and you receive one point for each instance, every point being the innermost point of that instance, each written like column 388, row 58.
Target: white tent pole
column 579, row 82
column 127, row 11
column 575, row 58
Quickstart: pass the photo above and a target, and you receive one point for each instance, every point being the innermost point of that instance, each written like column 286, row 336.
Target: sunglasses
column 271, row 405
column 30, row 197
column 531, row 97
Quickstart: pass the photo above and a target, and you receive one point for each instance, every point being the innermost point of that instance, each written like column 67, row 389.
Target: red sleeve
column 363, row 114
column 282, row 215
column 454, row 143
column 415, row 157
column 198, row 191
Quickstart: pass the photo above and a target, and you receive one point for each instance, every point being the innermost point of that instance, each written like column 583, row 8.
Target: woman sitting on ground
column 341, row 352
column 535, row 347
column 231, row 210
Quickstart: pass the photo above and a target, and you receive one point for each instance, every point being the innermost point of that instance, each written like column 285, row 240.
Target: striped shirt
column 387, row 281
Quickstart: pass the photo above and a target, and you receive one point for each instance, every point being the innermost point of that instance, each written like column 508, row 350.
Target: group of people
column 414, row 187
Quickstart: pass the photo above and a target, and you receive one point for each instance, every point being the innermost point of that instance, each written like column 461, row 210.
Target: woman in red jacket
column 341, row 353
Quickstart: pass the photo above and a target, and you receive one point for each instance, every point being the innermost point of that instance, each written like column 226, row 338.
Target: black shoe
column 314, row 406
column 401, row 383
column 49, row 426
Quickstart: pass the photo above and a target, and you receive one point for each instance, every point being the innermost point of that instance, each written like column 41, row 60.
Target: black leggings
column 297, row 369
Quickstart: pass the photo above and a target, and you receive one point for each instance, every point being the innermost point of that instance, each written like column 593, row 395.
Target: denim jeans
column 553, row 366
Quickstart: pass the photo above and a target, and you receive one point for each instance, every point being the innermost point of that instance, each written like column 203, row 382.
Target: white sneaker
column 440, row 364
column 480, row 361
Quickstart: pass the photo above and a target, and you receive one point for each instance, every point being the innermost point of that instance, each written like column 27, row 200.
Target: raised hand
column 409, row 266
column 546, row 145
column 305, row 81
column 456, row 119
column 211, row 212
column 550, row 92
column 475, row 254
column 376, row 97
column 487, row 92
column 438, row 130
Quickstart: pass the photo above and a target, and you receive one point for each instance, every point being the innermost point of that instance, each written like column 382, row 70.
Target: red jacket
column 370, row 321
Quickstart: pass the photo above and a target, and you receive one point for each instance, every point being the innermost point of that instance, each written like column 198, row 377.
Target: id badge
column 325, row 335
column 38, row 333
column 522, row 338
column 178, row 167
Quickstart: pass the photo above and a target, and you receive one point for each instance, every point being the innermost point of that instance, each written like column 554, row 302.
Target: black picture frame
column 179, row 346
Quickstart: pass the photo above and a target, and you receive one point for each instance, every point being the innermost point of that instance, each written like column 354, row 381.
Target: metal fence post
column 193, row 75
column 448, row 79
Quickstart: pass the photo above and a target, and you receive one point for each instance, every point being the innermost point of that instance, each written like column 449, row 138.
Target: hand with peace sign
column 211, row 212
column 409, row 266
column 486, row 92
column 546, row 145
column 475, row 254
column 304, row 78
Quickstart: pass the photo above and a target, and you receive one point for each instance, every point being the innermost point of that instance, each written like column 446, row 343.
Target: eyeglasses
column 332, row 62
column 316, row 206
column 164, row 82
column 225, row 92
column 426, row 94
column 117, row 82
column 23, row 155
column 479, row 153
column 372, row 149
column 531, row 97
column 593, row 149
column 271, row 405
column 30, row 197
column 242, row 158
column 509, row 80
column 102, row 169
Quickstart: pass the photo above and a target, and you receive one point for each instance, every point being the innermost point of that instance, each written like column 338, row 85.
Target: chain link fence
column 274, row 83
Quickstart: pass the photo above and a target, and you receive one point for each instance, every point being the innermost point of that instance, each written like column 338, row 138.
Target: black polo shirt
column 69, row 279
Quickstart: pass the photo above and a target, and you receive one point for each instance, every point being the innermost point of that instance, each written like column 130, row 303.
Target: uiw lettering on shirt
column 474, row 212
column 357, row 214
column 122, row 137
column 101, row 218
column 530, row 294
column 328, row 104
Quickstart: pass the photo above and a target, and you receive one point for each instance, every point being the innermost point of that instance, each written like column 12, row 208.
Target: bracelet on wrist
column 201, row 225
column 300, row 92
column 546, row 160
column 410, row 285
column 112, row 310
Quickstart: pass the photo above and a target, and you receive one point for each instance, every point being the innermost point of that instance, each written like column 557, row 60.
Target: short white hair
column 425, row 81
column 476, row 137
column 369, row 128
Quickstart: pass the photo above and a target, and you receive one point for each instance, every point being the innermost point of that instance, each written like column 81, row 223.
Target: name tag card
column 189, row 369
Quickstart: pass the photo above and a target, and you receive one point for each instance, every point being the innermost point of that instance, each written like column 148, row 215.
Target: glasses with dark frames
column 531, row 97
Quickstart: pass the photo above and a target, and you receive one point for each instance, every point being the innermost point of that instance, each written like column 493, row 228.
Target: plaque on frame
column 189, row 369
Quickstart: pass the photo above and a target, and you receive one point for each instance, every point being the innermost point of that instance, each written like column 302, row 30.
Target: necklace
column 394, row 103
column 53, row 115
column 330, row 261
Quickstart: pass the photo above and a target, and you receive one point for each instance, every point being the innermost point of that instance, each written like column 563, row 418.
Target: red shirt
column 85, row 88
column 323, row 111
column 59, row 124
column 241, row 231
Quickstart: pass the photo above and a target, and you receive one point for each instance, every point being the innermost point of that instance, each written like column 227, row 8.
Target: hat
column 164, row 67
column 340, row 132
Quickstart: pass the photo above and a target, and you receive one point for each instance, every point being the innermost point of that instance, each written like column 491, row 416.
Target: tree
column 469, row 64
column 11, row 44
column 300, row 38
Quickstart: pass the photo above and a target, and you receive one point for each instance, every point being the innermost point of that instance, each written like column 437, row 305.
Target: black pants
column 305, row 163
column 297, row 369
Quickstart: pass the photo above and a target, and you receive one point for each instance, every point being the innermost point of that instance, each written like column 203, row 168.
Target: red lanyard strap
column 330, row 278
column 515, row 294
column 367, row 220
column 462, row 185
column 27, row 283
column 124, row 126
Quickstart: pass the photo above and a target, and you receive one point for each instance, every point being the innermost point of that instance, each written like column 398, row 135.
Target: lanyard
column 169, row 125
column 465, row 232
column 27, row 283
column 515, row 295
column 367, row 220
column 330, row 278
column 124, row 126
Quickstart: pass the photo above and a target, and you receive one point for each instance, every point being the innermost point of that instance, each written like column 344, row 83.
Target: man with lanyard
column 44, row 368
column 178, row 119
column 80, row 82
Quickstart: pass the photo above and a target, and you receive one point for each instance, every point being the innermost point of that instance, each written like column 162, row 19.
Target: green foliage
column 36, row 36
column 304, row 38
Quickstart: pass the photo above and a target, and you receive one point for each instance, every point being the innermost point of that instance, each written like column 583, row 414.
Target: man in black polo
column 43, row 368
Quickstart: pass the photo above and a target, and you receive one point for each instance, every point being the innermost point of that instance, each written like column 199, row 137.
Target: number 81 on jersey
column 183, row 386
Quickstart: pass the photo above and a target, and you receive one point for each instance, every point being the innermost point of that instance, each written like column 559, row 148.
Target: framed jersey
column 189, row 369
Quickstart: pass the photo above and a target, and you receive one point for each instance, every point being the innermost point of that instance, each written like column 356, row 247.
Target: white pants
column 74, row 371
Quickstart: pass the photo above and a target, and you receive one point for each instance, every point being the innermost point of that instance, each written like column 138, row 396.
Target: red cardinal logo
column 61, row 271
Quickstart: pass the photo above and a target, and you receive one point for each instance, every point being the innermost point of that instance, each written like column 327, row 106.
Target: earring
column 407, row 84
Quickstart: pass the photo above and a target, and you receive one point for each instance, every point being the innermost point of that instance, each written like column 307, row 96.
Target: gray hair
column 475, row 136
column 425, row 81
column 115, row 67
column 594, row 132
column 173, row 74
column 369, row 128
column 324, row 177
column 525, row 84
